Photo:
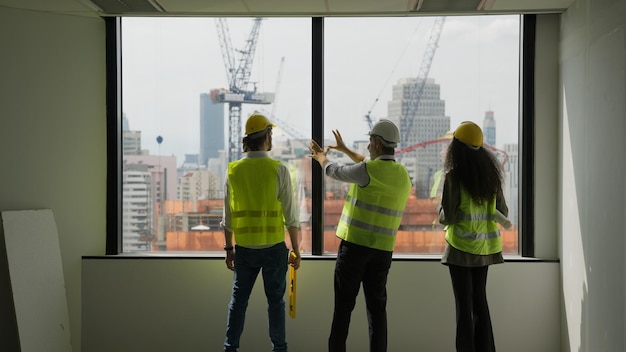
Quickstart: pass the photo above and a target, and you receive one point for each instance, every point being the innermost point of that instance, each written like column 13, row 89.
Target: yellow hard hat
column 470, row 134
column 257, row 123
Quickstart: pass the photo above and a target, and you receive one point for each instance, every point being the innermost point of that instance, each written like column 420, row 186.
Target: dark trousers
column 355, row 265
column 473, row 323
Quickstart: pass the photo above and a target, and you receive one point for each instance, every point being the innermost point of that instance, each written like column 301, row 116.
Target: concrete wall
column 592, row 192
column 53, row 140
column 162, row 305
column 52, row 137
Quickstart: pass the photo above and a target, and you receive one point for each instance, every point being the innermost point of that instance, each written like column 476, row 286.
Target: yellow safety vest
column 372, row 214
column 476, row 232
column 435, row 190
column 256, row 213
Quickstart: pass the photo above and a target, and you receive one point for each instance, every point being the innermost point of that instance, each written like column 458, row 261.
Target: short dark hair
column 254, row 141
column 385, row 150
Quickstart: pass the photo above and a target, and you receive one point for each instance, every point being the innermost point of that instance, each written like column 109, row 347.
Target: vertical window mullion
column 527, row 126
column 114, row 134
column 317, row 128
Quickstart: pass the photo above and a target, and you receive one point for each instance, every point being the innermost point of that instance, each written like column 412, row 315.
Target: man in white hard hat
column 369, row 222
column 258, row 204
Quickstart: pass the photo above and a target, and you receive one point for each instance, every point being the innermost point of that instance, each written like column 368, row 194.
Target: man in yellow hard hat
column 369, row 222
column 258, row 204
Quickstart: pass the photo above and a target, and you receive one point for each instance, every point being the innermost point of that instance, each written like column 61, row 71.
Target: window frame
column 113, row 54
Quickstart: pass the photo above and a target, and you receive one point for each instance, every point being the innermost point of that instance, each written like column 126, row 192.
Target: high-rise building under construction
column 428, row 122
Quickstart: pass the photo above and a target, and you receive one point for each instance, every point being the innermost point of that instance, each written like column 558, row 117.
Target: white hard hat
column 388, row 131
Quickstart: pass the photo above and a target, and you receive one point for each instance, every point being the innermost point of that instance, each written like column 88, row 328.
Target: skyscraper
column 211, row 128
column 138, row 212
column 429, row 123
column 489, row 128
column 131, row 140
column 199, row 184
column 147, row 181
column 511, row 181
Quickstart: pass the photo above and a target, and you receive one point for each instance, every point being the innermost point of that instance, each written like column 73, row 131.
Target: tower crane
column 283, row 125
column 417, row 89
column 286, row 127
column 368, row 116
column 277, row 87
column 238, row 74
column 503, row 154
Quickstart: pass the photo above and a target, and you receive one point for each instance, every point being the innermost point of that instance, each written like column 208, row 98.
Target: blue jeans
column 272, row 262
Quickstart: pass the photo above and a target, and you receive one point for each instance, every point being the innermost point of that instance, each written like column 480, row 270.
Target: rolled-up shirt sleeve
column 287, row 198
column 355, row 173
column 225, row 223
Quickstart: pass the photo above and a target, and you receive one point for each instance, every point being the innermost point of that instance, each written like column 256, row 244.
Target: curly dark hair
column 476, row 170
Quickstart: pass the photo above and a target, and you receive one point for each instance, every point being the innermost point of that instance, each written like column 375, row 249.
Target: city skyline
column 162, row 95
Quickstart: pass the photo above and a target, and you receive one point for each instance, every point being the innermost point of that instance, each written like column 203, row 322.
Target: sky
column 169, row 62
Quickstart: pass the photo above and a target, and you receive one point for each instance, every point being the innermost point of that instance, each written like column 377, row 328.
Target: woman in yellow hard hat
column 472, row 195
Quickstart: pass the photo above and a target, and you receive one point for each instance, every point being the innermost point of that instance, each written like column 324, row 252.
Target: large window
column 427, row 74
column 188, row 85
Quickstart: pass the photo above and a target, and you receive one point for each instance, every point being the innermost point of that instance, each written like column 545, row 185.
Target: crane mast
column 368, row 116
column 242, row 74
column 282, row 124
column 238, row 74
column 227, row 49
column 417, row 89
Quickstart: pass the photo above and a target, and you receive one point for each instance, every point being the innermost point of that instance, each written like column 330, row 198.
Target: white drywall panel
column 38, row 285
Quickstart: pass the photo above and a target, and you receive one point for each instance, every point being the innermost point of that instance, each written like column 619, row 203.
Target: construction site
column 194, row 225
column 420, row 231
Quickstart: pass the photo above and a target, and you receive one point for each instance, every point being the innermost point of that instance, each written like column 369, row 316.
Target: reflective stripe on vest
column 256, row 212
column 372, row 214
column 476, row 232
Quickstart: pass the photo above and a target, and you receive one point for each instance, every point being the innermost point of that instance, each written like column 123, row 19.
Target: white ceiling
column 286, row 7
